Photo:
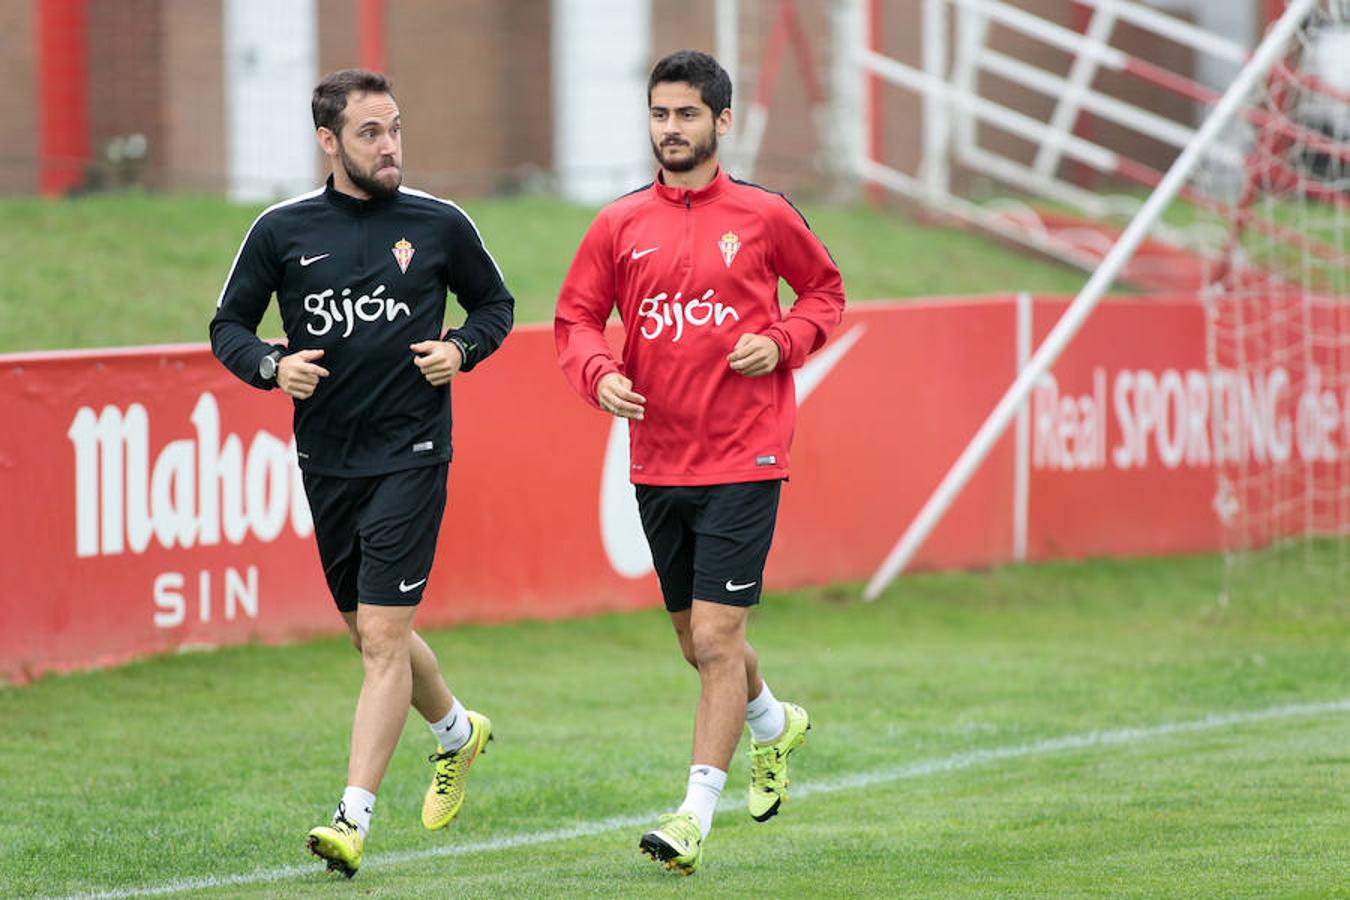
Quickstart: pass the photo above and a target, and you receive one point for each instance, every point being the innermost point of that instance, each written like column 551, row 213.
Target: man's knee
column 381, row 637
column 711, row 647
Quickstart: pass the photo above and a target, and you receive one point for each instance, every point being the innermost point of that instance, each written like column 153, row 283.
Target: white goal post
column 1270, row 50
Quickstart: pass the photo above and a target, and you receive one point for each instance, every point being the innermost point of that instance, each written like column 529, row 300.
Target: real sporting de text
column 1190, row 418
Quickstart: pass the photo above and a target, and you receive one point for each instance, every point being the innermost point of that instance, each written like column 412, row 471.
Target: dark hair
column 697, row 70
column 330, row 97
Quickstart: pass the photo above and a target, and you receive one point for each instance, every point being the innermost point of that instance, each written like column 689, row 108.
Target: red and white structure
column 1273, row 275
column 786, row 34
column 993, row 114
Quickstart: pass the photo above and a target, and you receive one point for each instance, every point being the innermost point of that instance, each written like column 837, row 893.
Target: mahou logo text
column 197, row 490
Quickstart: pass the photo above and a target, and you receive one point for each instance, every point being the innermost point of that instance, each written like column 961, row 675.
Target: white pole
column 726, row 31
column 1019, row 123
column 1079, row 84
column 1034, row 26
column 866, row 83
column 1068, row 325
column 271, row 64
column 935, row 172
column 728, row 37
column 752, row 135
column 601, row 53
column 972, row 28
column 1208, row 39
column 847, row 111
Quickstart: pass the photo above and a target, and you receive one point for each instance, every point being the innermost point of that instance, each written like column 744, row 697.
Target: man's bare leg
column 712, row 637
column 718, row 637
column 684, row 634
column 386, row 691
column 431, row 695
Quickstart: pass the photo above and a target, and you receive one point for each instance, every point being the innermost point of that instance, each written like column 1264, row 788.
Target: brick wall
column 193, row 95
column 473, row 78
column 474, row 91
column 526, row 67
column 126, row 56
column 338, row 47
column 18, row 106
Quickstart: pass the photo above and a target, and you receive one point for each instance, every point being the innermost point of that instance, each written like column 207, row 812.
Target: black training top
column 361, row 280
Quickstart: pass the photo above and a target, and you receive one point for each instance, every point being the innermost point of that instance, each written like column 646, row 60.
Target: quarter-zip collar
column 687, row 198
column 354, row 207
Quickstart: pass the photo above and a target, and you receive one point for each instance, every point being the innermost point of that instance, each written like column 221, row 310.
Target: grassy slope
column 216, row 764
column 128, row 269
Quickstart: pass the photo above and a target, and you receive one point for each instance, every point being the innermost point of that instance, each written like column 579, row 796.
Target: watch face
column 268, row 367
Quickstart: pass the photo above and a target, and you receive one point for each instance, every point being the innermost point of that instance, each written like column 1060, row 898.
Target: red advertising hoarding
column 152, row 502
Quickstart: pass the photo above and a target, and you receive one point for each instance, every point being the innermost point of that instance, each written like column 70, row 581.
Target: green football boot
column 769, row 764
column 677, row 843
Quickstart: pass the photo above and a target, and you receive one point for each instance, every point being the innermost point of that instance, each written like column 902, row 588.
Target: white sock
column 705, row 788
column 765, row 716
column 454, row 730
column 357, row 805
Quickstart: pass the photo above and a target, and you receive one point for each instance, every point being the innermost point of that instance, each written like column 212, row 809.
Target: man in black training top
column 360, row 268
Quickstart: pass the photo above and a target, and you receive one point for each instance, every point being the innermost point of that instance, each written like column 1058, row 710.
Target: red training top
column 690, row 272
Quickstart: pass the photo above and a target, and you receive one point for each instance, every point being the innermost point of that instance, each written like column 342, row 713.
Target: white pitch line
column 1086, row 741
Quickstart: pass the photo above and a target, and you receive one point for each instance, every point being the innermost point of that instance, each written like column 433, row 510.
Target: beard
column 699, row 154
column 366, row 181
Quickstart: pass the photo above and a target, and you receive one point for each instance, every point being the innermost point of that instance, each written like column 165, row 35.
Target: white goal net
column 1278, row 295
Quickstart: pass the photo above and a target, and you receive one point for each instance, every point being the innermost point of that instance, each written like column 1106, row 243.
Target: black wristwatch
column 463, row 346
column 267, row 366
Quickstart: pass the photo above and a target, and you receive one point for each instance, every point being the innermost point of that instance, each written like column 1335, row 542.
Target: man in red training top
column 692, row 262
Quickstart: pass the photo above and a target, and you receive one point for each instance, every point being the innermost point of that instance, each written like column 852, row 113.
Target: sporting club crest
column 403, row 252
column 730, row 245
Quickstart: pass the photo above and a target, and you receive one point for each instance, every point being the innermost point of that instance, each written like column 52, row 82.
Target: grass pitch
column 1096, row 729
column 1092, row 729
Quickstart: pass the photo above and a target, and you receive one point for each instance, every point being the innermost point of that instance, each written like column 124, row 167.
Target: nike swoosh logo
column 637, row 255
column 405, row 587
column 732, row 586
column 309, row 260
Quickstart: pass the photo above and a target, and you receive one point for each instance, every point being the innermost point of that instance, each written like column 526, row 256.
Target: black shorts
column 377, row 535
column 710, row 541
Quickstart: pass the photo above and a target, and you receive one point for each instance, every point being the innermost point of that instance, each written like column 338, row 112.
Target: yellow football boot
column 446, row 794
column 677, row 843
column 769, row 764
column 339, row 843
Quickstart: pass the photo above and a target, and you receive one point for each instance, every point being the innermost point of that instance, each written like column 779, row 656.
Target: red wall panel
column 151, row 503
